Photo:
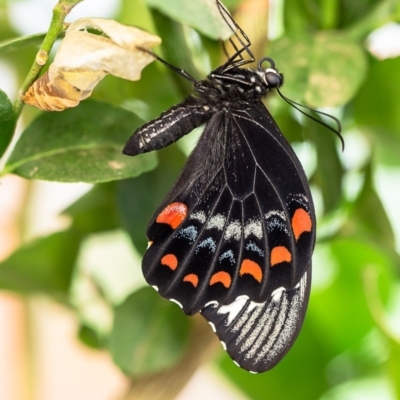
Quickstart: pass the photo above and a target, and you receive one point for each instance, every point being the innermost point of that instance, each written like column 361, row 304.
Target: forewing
column 182, row 233
column 234, row 237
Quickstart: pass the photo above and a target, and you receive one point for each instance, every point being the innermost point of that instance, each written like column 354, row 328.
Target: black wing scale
column 234, row 237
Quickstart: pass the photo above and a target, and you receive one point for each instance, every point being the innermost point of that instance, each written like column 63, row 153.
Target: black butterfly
column 234, row 237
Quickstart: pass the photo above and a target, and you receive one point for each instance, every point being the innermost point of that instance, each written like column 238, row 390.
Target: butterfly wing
column 234, row 237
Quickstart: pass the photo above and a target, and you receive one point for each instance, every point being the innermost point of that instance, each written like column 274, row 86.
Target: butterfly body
column 221, row 91
column 233, row 238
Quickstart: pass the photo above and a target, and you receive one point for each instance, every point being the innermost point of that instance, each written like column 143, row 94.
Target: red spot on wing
column 252, row 268
column 192, row 278
column 301, row 222
column 173, row 215
column 170, row 261
column 280, row 254
column 221, row 277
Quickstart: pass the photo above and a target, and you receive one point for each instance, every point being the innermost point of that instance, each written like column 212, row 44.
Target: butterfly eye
column 272, row 79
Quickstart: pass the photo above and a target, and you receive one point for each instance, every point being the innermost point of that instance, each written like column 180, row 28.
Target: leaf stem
column 329, row 14
column 384, row 12
column 60, row 11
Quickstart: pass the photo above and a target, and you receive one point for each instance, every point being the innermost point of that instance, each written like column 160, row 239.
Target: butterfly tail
column 258, row 335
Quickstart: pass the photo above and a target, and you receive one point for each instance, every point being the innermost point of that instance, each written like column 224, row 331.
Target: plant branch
column 166, row 385
column 60, row 11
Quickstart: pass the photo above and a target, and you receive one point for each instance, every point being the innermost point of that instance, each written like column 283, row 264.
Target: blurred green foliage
column 347, row 344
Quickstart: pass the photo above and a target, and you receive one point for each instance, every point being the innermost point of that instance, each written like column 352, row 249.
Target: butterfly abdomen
column 168, row 127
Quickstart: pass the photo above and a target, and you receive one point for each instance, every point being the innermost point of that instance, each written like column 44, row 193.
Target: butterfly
column 234, row 237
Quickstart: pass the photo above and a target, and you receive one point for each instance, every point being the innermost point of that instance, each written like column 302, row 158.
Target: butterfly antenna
column 336, row 131
column 179, row 71
column 224, row 48
column 242, row 39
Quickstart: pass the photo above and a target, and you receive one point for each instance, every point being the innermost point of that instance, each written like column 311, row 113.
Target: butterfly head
column 270, row 75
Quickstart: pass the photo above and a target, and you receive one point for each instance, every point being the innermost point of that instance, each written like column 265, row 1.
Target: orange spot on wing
column 192, row 278
column 252, row 268
column 173, row 215
column 280, row 254
column 221, row 277
column 301, row 222
column 170, row 261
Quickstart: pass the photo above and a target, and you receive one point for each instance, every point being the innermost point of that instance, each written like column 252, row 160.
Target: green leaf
column 353, row 11
column 176, row 50
column 95, row 211
column 149, row 333
column 300, row 16
column 369, row 107
column 376, row 108
column 7, row 122
column 83, row 144
column 20, row 43
column 45, row 265
column 340, row 308
column 323, row 70
column 89, row 336
column 367, row 217
column 231, row 3
column 202, row 15
column 360, row 16
column 366, row 16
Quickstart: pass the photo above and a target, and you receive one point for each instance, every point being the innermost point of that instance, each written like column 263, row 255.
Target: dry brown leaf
column 83, row 59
